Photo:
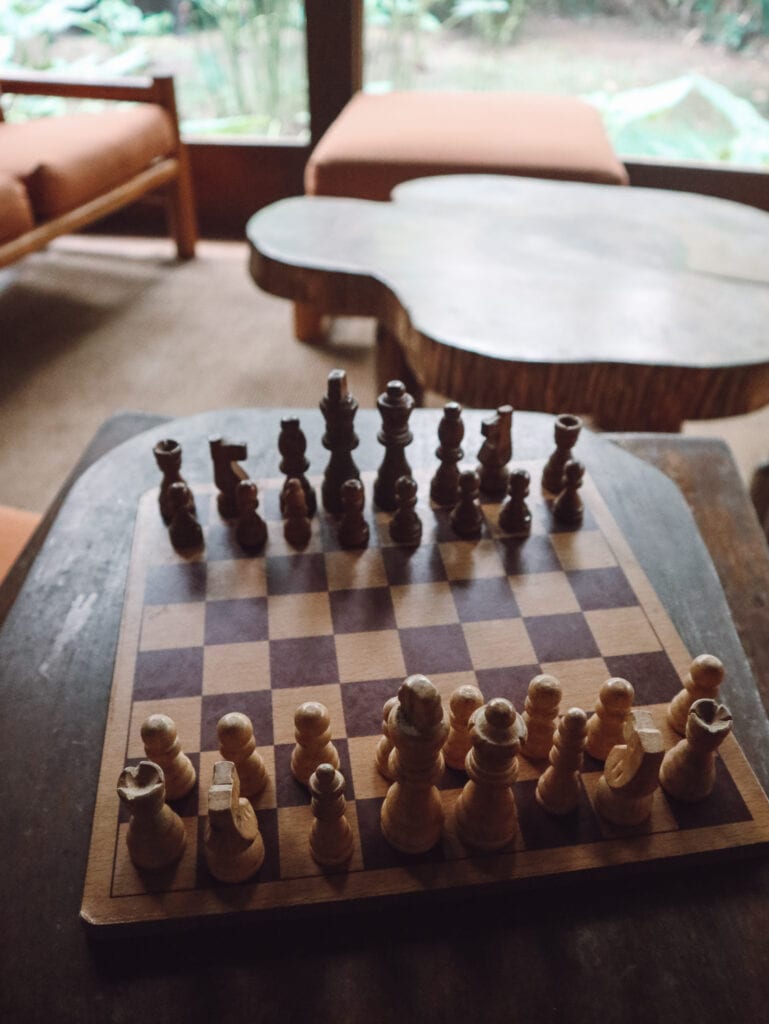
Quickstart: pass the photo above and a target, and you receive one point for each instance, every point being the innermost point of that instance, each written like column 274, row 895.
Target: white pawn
column 704, row 678
column 539, row 715
column 161, row 745
column 156, row 836
column 464, row 701
column 605, row 727
column 232, row 844
column 486, row 815
column 385, row 746
column 625, row 791
column 331, row 839
column 237, row 744
column 688, row 771
column 312, row 730
column 558, row 789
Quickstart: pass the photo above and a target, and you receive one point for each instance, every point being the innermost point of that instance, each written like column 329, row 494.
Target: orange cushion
column 15, row 211
column 65, row 161
column 379, row 141
column 16, row 527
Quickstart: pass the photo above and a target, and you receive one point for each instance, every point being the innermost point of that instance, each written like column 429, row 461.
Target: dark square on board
column 166, row 674
column 175, row 584
column 241, row 620
column 480, row 600
column 653, row 676
column 296, row 574
column 377, row 852
column 723, row 807
column 413, row 565
column 363, row 702
column 291, row 793
column 561, row 637
column 257, row 704
column 511, row 683
column 221, row 542
column 303, row 661
column 434, row 649
column 530, row 554
column 541, row 831
column 368, row 609
column 601, row 588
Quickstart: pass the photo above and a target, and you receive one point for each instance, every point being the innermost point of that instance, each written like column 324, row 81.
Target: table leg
column 309, row 323
column 391, row 364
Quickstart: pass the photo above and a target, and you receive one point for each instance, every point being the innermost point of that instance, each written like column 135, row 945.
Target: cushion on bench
column 378, row 141
column 15, row 212
column 16, row 527
column 67, row 161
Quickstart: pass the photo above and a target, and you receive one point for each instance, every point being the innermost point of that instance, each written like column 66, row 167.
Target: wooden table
column 639, row 306
column 687, row 945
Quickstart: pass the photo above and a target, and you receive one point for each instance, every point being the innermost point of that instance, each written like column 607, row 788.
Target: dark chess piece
column 567, row 507
column 297, row 527
column 496, row 451
column 227, row 473
column 444, row 486
column 353, row 528
column 184, row 529
column 395, row 405
column 251, row 529
column 292, row 445
column 514, row 516
column 567, row 428
column 338, row 407
column 467, row 517
column 168, row 455
column 405, row 525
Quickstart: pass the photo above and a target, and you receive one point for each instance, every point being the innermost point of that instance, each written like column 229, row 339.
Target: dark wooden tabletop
column 685, row 945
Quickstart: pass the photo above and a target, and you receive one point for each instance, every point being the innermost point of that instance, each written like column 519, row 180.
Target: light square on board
column 369, row 782
column 296, row 861
column 580, row 680
column 266, row 799
column 424, row 604
column 499, row 644
column 235, row 578
column 172, row 625
column 278, row 545
column 468, row 559
column 544, row 593
column 583, row 549
column 236, row 668
column 285, row 702
column 622, row 631
column 353, row 570
column 292, row 615
column 128, row 881
column 184, row 712
column 374, row 655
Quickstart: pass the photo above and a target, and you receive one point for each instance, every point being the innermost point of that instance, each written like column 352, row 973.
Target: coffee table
column 641, row 307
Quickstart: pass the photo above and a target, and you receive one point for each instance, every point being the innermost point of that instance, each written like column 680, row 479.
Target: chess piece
column 331, row 840
column 485, row 812
column 558, row 788
column 567, row 429
column 514, row 515
column 567, row 507
column 251, row 529
column 168, row 456
column 353, row 528
column 156, row 836
column 395, row 405
column 444, row 486
column 706, row 673
column 605, row 727
column 297, row 526
column 405, row 525
column 688, row 770
column 237, row 744
column 496, row 451
column 467, row 517
column 385, row 747
column 184, row 530
column 161, row 745
column 292, row 445
column 412, row 812
column 338, row 407
column 312, row 729
column 625, row 791
column 228, row 473
column 540, row 713
column 463, row 702
column 232, row 843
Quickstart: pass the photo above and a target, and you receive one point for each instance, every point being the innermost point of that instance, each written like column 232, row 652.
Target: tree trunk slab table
column 640, row 307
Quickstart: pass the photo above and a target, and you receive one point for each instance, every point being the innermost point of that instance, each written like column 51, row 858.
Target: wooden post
column 334, row 58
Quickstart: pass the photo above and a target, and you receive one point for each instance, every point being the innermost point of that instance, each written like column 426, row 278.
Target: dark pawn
column 405, row 525
column 338, row 407
column 168, row 455
column 353, row 528
column 184, row 529
column 567, row 507
column 467, row 518
column 496, row 451
column 395, row 405
column 251, row 529
column 227, row 473
column 292, row 445
column 567, row 428
column 514, row 516
column 444, row 486
column 297, row 528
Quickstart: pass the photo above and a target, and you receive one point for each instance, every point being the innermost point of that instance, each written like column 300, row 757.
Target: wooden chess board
column 221, row 631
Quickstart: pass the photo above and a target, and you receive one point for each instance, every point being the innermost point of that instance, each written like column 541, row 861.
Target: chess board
column 220, row 631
